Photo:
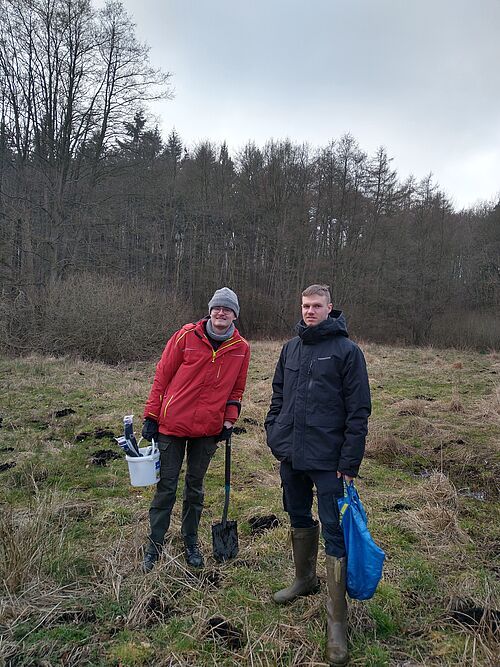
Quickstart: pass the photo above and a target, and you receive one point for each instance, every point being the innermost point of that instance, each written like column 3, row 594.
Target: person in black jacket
column 316, row 427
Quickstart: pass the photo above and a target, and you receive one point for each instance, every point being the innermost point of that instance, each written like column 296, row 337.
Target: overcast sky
column 420, row 77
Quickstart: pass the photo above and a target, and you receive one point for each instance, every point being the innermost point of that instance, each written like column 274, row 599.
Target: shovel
column 225, row 533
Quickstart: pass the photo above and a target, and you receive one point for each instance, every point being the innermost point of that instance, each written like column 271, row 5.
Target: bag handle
column 352, row 494
column 351, row 497
column 345, row 506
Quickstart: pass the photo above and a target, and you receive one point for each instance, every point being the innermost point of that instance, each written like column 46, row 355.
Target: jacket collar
column 200, row 330
column 334, row 325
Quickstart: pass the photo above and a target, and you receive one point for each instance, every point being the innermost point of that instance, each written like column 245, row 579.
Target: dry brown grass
column 26, row 538
column 385, row 447
column 435, row 526
column 413, row 407
column 475, row 611
column 489, row 408
column 130, row 609
column 282, row 644
column 437, row 489
column 423, row 428
column 48, row 603
column 456, row 405
column 435, row 521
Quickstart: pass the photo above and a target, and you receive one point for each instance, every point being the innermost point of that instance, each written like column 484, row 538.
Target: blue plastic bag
column 365, row 559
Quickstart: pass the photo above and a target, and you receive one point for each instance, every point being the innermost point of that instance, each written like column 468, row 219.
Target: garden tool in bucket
column 225, row 533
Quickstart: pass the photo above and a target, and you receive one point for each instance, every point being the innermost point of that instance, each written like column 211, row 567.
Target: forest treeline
column 112, row 236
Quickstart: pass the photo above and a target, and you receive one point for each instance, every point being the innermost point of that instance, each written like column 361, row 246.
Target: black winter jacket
column 318, row 418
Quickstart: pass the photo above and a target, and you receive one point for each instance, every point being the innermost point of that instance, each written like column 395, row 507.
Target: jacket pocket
column 280, row 437
column 290, row 380
column 324, row 437
column 164, row 408
column 194, row 355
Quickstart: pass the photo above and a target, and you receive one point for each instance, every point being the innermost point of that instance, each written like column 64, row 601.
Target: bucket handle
column 153, row 443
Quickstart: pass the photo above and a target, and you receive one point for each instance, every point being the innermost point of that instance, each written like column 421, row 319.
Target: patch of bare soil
column 466, row 612
column 259, row 524
column 101, row 457
column 223, row 630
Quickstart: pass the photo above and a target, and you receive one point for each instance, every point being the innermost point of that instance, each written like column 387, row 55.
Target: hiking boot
column 149, row 561
column 336, row 612
column 305, row 554
column 194, row 557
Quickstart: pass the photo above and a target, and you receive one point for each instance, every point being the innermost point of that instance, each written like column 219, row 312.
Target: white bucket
column 144, row 470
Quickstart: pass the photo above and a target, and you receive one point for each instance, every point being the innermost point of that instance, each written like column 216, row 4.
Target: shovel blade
column 225, row 541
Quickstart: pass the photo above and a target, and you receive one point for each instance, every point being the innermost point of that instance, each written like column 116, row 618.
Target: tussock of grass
column 489, row 408
column 435, row 526
column 421, row 427
column 437, row 489
column 26, row 537
column 456, row 405
column 385, row 447
column 434, row 521
column 410, row 407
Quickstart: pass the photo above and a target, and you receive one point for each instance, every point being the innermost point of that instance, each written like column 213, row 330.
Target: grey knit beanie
column 225, row 297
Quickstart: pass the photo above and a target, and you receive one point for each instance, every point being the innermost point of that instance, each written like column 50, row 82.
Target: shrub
column 93, row 317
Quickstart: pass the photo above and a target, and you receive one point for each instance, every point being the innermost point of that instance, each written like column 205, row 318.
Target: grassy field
column 71, row 531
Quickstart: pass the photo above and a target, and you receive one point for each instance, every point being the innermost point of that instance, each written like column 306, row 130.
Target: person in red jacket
column 194, row 401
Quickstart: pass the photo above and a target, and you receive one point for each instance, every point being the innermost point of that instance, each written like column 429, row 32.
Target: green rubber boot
column 305, row 554
column 336, row 612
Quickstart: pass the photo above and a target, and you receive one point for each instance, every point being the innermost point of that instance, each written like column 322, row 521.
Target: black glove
column 225, row 434
column 150, row 429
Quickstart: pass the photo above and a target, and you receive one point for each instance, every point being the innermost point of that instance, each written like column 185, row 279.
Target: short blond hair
column 323, row 290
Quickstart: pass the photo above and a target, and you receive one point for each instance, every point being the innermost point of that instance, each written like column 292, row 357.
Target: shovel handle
column 227, row 479
column 227, row 463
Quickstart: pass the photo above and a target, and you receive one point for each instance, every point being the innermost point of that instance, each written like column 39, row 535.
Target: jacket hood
column 334, row 325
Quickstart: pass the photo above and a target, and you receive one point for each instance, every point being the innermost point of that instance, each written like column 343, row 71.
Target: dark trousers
column 298, row 499
column 172, row 450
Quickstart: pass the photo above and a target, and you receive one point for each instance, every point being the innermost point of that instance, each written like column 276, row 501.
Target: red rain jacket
column 193, row 383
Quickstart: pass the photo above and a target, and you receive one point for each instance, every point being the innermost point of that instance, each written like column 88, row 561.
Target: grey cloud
column 420, row 77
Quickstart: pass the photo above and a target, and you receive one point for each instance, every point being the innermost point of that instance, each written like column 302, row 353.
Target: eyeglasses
column 221, row 309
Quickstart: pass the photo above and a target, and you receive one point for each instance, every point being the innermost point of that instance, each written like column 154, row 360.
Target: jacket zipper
column 309, row 383
column 223, row 347
column 309, row 375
